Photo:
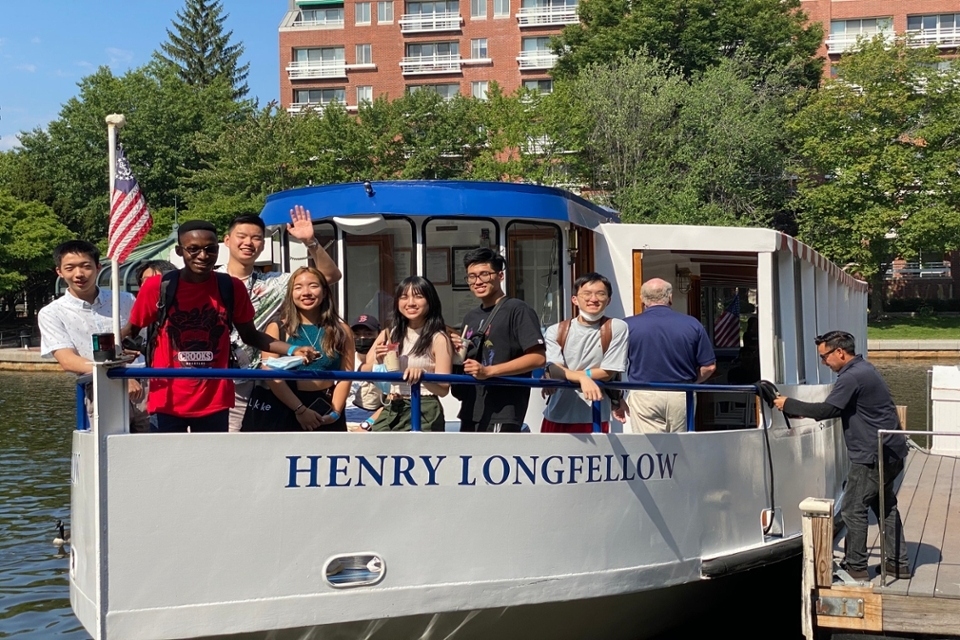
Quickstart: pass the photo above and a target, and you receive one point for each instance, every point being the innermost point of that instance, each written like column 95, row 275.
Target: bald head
column 656, row 292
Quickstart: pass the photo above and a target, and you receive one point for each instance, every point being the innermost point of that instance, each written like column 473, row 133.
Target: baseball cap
column 366, row 321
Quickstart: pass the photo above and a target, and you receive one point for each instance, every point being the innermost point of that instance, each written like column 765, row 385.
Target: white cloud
column 84, row 64
column 119, row 56
column 9, row 142
column 27, row 67
column 35, row 40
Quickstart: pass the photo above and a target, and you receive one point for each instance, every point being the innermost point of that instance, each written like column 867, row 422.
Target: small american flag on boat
column 130, row 219
column 726, row 328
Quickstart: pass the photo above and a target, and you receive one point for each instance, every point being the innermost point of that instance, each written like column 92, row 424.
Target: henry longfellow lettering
column 495, row 470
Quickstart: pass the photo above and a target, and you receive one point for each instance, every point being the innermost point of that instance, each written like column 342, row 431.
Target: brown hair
column 334, row 336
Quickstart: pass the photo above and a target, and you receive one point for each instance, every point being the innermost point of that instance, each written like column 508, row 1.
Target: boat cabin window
column 326, row 234
column 445, row 242
column 375, row 261
column 533, row 268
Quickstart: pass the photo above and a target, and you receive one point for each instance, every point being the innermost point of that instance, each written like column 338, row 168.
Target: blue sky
column 47, row 47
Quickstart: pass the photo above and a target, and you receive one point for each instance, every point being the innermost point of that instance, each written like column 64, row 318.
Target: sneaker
column 860, row 575
column 898, row 570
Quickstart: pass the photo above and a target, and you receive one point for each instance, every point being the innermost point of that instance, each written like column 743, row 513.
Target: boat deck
column 928, row 602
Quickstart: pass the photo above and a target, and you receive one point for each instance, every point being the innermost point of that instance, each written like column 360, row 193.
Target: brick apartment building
column 356, row 50
column 926, row 21
column 352, row 50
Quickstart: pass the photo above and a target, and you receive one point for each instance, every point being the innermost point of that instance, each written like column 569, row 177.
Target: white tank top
column 408, row 360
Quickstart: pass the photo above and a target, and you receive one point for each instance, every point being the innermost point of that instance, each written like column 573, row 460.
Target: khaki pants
column 657, row 411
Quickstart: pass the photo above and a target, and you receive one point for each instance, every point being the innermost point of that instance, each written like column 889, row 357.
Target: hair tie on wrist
column 297, row 410
column 291, row 350
column 335, row 415
column 589, row 374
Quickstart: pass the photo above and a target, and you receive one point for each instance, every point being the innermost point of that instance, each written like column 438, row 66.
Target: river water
column 36, row 420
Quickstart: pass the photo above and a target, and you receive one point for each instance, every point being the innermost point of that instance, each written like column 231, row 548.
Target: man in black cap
column 367, row 396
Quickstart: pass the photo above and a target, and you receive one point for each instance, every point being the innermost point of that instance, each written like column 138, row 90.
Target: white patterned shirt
column 267, row 292
column 69, row 322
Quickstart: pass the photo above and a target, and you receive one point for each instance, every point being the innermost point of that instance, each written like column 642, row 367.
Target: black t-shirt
column 515, row 329
column 865, row 406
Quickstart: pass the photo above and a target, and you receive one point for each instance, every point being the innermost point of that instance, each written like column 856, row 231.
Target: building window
column 326, row 55
column 364, row 94
column 363, row 13
column 446, row 91
column 433, row 49
column 536, row 44
column 942, row 29
column 384, row 12
column 478, row 48
column 479, row 89
column 420, row 8
column 501, row 8
column 845, row 33
column 364, row 54
column 478, row 9
column 321, row 96
column 543, row 86
column 320, row 17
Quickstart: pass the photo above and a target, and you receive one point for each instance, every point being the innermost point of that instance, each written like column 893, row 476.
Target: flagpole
column 114, row 122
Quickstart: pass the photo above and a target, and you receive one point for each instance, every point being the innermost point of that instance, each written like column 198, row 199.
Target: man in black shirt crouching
column 863, row 402
column 507, row 341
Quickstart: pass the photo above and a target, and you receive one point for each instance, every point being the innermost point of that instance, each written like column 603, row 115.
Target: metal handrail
column 881, row 517
column 689, row 389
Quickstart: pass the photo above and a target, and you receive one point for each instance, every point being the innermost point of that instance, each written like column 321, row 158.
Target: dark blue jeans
column 863, row 493
column 166, row 423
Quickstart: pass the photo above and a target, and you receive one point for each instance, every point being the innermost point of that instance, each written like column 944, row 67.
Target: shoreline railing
column 689, row 389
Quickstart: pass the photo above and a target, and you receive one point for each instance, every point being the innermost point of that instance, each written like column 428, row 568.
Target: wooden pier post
column 817, row 555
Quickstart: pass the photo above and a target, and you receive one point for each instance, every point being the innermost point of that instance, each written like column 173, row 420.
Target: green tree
column 669, row 149
column 164, row 116
column 200, row 49
column 878, row 159
column 28, row 233
column 694, row 34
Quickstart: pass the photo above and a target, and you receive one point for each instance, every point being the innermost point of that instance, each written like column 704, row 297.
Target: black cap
column 366, row 321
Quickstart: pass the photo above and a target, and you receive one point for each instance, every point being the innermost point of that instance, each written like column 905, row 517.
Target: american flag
column 726, row 328
column 130, row 219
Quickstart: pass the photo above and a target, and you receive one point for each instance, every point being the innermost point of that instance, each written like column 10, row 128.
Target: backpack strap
column 168, row 291
column 606, row 333
column 562, row 330
column 225, row 285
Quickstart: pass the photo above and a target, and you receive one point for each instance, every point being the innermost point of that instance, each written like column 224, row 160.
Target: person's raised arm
column 301, row 228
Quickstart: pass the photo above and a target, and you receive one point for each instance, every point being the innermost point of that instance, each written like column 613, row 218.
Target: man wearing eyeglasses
column 862, row 401
column 507, row 341
column 583, row 350
column 196, row 334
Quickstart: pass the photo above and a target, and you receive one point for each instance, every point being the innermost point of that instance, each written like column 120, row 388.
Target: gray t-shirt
column 583, row 350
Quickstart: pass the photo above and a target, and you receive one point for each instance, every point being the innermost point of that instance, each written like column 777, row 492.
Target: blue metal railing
column 688, row 389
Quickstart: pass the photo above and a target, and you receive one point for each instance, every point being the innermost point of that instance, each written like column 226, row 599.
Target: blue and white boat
column 450, row 535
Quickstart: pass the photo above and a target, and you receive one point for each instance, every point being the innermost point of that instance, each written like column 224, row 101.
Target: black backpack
column 168, row 291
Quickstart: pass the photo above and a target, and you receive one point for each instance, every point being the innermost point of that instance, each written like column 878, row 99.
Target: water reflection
column 36, row 421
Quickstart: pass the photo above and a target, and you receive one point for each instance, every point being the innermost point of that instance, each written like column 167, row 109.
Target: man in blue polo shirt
column 664, row 346
column 862, row 401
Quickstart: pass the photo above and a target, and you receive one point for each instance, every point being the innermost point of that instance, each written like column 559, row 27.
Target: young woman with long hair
column 423, row 345
column 308, row 317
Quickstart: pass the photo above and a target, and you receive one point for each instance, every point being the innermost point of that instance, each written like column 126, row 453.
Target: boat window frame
column 415, row 244
column 561, row 284
column 423, row 235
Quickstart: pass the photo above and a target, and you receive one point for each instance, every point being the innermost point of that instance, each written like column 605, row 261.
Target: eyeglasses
column 824, row 356
column 592, row 295
column 483, row 276
column 210, row 250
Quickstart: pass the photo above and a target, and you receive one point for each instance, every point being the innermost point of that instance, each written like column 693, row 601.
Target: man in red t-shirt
column 196, row 335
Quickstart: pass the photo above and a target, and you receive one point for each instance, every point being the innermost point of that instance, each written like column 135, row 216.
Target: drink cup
column 391, row 360
column 462, row 351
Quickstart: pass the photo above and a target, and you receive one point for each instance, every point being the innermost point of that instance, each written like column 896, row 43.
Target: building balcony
column 427, row 22
column 318, row 24
column 843, row 42
column 311, row 70
column 547, row 16
column 945, row 38
column 422, row 65
column 537, row 59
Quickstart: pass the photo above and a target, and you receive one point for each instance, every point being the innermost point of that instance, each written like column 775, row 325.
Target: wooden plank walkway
column 929, row 602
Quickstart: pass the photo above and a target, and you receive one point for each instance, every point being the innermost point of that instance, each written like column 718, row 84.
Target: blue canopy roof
column 438, row 198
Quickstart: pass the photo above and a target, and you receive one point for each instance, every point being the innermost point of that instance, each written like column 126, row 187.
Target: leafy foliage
column 28, row 233
column 694, row 34
column 201, row 51
column 878, row 159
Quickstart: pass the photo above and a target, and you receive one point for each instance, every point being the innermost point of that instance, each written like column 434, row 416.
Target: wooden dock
column 929, row 602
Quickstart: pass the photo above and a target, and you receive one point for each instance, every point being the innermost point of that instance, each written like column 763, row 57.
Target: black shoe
column 860, row 575
column 898, row 570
